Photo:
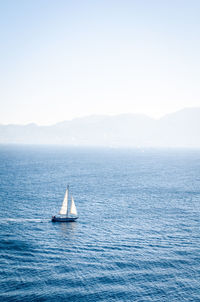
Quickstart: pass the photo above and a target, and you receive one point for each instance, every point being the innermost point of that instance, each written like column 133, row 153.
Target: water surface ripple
column 138, row 233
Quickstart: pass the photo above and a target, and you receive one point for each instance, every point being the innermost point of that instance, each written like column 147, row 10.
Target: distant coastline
column 176, row 130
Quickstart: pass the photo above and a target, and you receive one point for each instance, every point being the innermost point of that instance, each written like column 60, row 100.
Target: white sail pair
column 65, row 206
column 66, row 214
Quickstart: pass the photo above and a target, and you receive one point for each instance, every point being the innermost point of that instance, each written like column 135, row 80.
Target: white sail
column 73, row 210
column 63, row 210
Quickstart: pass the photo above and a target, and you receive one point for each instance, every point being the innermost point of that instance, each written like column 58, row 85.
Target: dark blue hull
column 63, row 219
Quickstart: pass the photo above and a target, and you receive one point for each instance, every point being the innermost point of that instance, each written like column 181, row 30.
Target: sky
column 65, row 59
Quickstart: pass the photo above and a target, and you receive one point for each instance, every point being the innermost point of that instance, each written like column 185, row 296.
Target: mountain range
column 179, row 129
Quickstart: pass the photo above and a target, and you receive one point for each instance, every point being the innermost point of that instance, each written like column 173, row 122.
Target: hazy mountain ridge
column 179, row 129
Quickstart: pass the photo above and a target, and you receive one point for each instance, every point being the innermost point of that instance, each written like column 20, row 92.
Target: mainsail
column 73, row 210
column 63, row 210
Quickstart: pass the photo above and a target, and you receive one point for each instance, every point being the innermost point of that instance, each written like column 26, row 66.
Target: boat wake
column 4, row 220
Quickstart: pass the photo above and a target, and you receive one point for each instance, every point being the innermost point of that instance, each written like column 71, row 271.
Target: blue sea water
column 138, row 233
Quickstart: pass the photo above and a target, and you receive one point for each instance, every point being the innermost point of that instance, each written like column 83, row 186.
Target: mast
column 68, row 201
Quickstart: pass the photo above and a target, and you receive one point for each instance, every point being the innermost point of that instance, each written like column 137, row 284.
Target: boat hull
column 63, row 219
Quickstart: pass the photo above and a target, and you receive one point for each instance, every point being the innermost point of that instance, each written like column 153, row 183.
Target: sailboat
column 66, row 214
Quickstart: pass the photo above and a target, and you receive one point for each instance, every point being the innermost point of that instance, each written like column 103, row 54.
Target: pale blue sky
column 65, row 59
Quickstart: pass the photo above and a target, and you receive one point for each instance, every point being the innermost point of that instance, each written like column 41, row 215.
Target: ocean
column 138, row 233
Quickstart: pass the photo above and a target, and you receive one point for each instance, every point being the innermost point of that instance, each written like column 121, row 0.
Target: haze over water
column 137, row 236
